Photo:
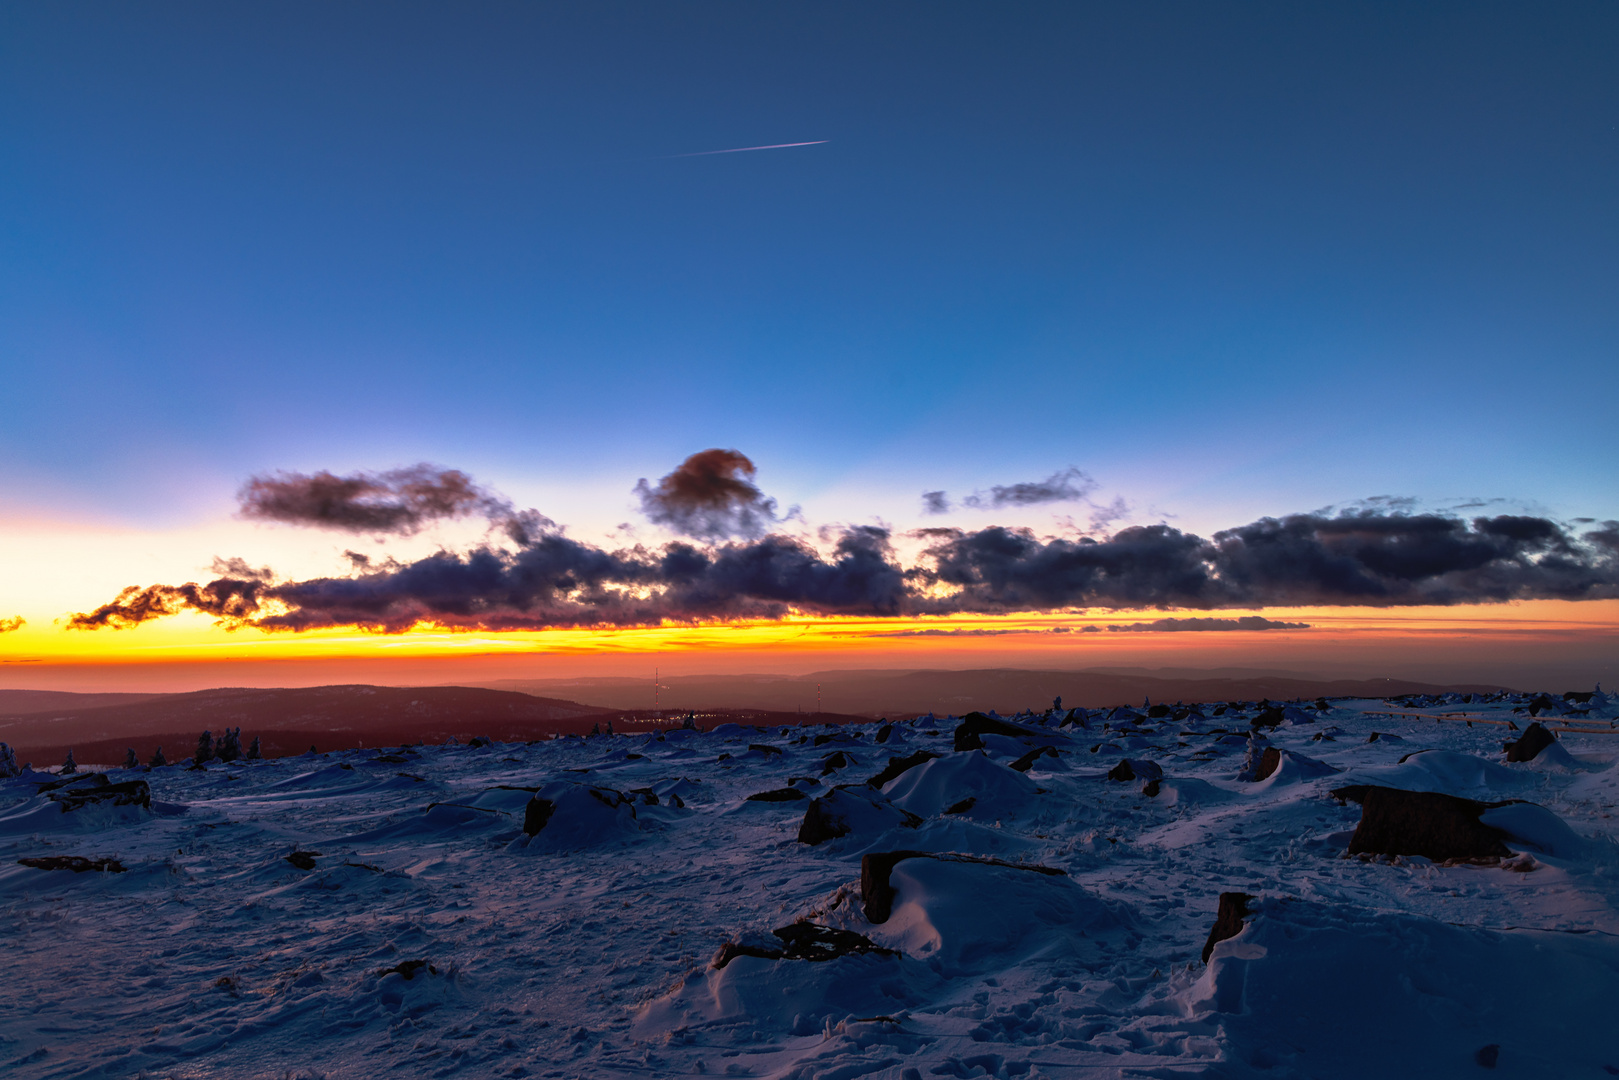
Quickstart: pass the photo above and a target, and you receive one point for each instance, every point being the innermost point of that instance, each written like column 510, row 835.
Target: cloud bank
column 1176, row 626
column 1368, row 557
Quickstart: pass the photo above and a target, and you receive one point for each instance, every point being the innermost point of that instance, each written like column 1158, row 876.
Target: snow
column 442, row 928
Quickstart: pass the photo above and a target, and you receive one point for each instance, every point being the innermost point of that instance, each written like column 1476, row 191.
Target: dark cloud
column 1367, row 558
column 935, row 502
column 1069, row 485
column 16, row 622
column 710, row 496
column 399, row 501
column 1170, row 626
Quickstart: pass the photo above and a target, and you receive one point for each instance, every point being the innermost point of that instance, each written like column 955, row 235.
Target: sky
column 1070, row 269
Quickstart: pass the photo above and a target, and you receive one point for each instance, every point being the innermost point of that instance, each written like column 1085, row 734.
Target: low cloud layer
column 398, row 502
column 1176, row 626
column 1363, row 558
column 711, row 496
column 1068, row 485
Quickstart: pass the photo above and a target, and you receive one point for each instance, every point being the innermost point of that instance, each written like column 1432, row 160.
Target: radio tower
column 656, row 710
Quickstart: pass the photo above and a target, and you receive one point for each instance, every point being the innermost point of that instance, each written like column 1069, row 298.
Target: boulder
column 975, row 725
column 303, row 860
column 786, row 794
column 802, row 941
column 76, row 863
column 1026, row 762
column 847, row 809
column 579, row 815
column 877, row 894
column 1426, row 823
column 1529, row 745
column 897, row 765
column 836, row 760
column 1228, row 921
column 1135, row 769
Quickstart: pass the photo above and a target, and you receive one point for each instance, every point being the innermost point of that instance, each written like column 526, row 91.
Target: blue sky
column 1230, row 262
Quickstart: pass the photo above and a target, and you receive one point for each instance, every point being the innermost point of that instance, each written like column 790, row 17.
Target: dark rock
column 877, row 894
column 842, row 738
column 1380, row 735
column 897, row 765
column 885, row 732
column 1134, row 768
column 1426, row 823
column 536, row 814
column 1488, row 1056
column 1228, row 922
column 76, row 863
column 765, row 748
column 1529, row 745
column 1158, row 712
column 836, row 760
column 1026, row 762
column 1268, row 761
column 480, row 742
column 303, row 860
column 846, row 809
column 408, row 970
column 804, row 941
column 975, row 725
column 76, row 796
column 961, row 807
column 1151, row 788
column 1270, row 717
column 1541, row 704
column 786, row 794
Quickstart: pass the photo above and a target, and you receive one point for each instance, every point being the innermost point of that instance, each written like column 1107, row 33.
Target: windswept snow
column 559, row 908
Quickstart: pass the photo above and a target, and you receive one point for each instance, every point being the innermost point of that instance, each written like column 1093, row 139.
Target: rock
column 765, row 748
column 884, row 733
column 76, row 863
column 1426, row 823
column 786, row 794
column 408, row 970
column 303, row 860
column 877, row 894
column 1228, row 921
column 1268, row 761
column 1529, row 745
column 803, row 941
column 976, row 724
column 852, row 810
column 1026, row 762
column 94, row 790
column 961, row 807
column 897, row 765
column 1488, row 1056
column 537, row 814
column 834, row 761
column 1268, row 717
column 483, row 742
column 1134, row 768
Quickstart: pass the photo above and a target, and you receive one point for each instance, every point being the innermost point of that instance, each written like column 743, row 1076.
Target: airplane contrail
column 745, row 149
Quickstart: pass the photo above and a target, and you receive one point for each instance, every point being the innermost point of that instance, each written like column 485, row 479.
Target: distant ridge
column 906, row 693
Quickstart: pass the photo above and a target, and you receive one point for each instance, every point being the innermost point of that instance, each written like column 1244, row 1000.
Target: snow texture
column 557, row 909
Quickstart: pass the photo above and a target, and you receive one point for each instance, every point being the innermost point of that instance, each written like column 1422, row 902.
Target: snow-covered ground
column 432, row 936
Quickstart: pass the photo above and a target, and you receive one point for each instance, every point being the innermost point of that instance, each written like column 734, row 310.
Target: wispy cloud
column 749, row 149
column 1174, row 626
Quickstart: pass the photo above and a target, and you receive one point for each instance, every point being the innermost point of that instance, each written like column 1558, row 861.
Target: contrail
column 745, row 149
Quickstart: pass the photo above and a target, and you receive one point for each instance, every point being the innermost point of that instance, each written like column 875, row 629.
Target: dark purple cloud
column 1069, row 485
column 1176, row 626
column 710, row 496
column 399, row 501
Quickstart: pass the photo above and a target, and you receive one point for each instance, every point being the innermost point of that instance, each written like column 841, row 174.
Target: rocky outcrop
column 802, row 941
column 1528, row 746
column 897, row 765
column 1426, row 823
column 845, row 810
column 1228, row 921
column 877, row 894
column 76, row 863
column 975, row 725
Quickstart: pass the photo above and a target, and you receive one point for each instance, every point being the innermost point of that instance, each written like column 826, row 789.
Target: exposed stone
column 1134, row 768
column 765, row 748
column 1026, row 762
column 1228, row 921
column 786, row 794
column 1268, row 761
column 897, row 765
column 1426, row 823
column 975, row 725
column 537, row 813
column 877, row 894
column 1529, row 745
column 836, row 760
column 961, row 807
column 803, row 941
column 303, row 860
column 76, row 863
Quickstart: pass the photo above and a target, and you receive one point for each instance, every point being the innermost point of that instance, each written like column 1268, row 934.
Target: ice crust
column 422, row 931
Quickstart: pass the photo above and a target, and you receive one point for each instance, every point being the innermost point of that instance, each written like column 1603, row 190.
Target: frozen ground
column 588, row 949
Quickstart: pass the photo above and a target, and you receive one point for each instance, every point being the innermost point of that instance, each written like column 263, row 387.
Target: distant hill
column 909, row 693
column 22, row 702
column 399, row 711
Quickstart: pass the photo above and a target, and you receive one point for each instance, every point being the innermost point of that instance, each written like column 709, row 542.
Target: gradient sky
column 1231, row 262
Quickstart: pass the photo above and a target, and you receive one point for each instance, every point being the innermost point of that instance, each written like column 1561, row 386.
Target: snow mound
column 574, row 817
column 1532, row 826
column 857, row 814
column 967, row 783
column 1445, row 771
column 1330, row 992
